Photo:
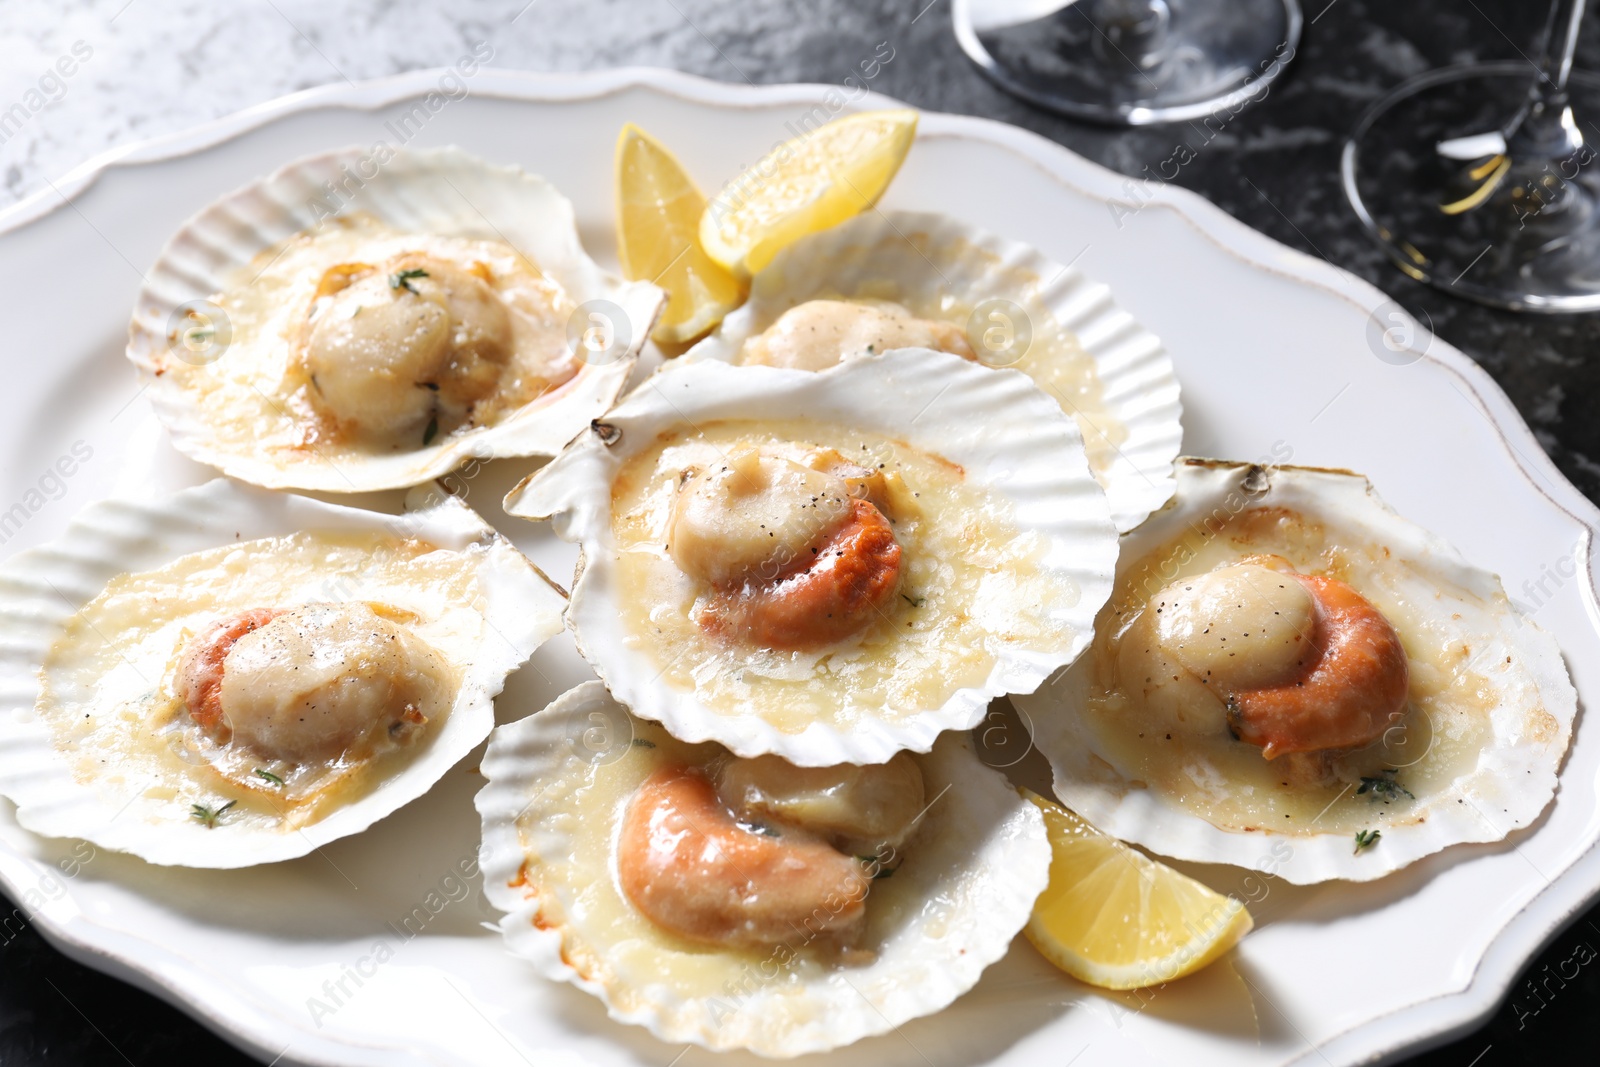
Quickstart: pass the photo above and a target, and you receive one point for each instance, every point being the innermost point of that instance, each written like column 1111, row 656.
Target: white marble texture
column 156, row 66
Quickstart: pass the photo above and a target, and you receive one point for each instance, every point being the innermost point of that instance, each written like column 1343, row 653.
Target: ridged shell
column 1005, row 433
column 932, row 257
column 42, row 588
column 1514, row 777
column 438, row 191
column 978, row 863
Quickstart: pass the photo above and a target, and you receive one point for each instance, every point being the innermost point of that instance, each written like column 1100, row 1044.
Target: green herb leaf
column 1384, row 787
column 402, row 280
column 642, row 743
column 431, row 432
column 208, row 815
column 1367, row 838
column 269, row 776
column 915, row 602
column 880, row 870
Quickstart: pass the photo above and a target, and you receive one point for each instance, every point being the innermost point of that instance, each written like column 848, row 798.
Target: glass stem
column 1133, row 31
column 1545, row 128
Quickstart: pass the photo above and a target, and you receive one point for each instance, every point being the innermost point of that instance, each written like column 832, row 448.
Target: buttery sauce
column 583, row 803
column 1229, row 783
column 256, row 396
column 971, row 585
column 110, row 692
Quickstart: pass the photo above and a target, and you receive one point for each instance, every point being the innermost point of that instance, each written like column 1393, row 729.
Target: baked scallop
column 828, row 566
column 228, row 677
column 903, row 279
column 368, row 320
column 1290, row 675
column 750, row 904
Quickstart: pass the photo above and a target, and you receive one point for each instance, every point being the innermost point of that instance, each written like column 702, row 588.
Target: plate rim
column 1408, row 1029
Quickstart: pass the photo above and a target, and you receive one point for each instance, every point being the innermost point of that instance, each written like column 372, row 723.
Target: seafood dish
column 847, row 486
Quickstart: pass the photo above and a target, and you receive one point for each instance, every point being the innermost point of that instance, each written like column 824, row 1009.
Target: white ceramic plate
column 374, row 953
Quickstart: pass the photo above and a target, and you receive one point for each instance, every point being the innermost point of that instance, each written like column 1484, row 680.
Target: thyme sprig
column 402, row 279
column 207, row 815
column 1384, row 787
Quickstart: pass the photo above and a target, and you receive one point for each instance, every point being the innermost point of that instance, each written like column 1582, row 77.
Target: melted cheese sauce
column 586, row 802
column 256, row 395
column 1053, row 359
column 110, row 691
column 1228, row 782
column 971, row 584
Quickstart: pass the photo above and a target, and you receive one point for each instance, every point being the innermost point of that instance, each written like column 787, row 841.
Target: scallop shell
column 1513, row 780
column 929, row 258
column 442, row 191
column 971, row 874
column 999, row 427
column 42, row 588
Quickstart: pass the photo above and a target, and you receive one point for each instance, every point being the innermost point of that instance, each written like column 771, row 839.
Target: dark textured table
column 1274, row 167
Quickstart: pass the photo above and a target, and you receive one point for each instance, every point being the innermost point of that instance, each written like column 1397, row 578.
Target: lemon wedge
column 658, row 222
column 806, row 184
column 1115, row 918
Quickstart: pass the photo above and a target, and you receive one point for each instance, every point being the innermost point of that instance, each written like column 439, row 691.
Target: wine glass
column 1477, row 178
column 1131, row 62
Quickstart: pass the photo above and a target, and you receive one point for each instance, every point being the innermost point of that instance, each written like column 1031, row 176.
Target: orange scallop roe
column 691, row 868
column 1349, row 694
column 200, row 668
column 851, row 573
